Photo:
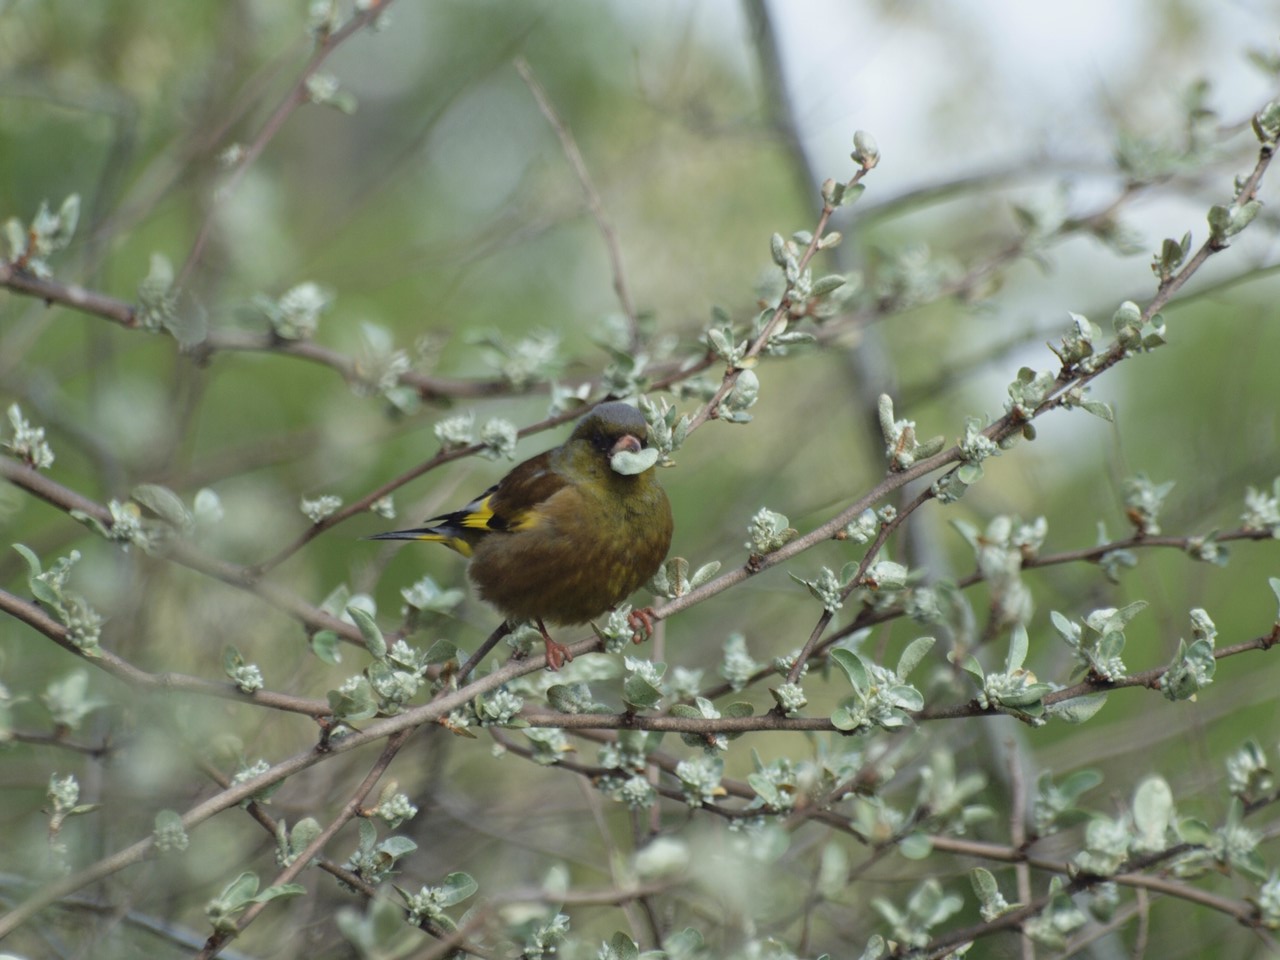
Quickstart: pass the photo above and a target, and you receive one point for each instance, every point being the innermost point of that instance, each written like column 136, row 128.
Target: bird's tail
column 430, row 535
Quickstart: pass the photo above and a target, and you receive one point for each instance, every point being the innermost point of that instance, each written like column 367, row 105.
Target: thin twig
column 1018, row 834
column 858, row 579
column 350, row 810
column 296, row 97
column 570, row 147
column 121, row 669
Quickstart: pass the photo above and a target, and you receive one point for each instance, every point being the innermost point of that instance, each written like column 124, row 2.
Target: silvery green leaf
column 1152, row 814
column 704, row 573
column 640, row 693
column 163, row 502
column 325, row 645
column 828, row 284
column 374, row 642
column 778, row 249
column 853, row 667
column 631, row 464
column 1191, row 830
column 1110, row 619
column 1099, row 409
column 1079, row 709
column 456, row 888
column 442, row 651
column 865, row 149
column 280, row 890
column 913, row 654
column 906, row 697
column 915, row 846
column 849, row 715
column 68, row 218
column 1018, row 644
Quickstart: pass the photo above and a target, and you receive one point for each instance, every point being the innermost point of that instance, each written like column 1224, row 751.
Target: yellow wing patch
column 478, row 514
column 527, row 520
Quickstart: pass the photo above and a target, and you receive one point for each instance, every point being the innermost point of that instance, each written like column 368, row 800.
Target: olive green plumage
column 563, row 537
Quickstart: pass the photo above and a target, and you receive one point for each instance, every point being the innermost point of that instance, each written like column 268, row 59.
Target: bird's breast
column 585, row 554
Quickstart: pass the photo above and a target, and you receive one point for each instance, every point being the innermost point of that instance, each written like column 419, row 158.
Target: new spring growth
column 1015, row 690
column 455, row 431
column 673, row 579
column 743, row 396
column 49, row 587
column 881, row 697
column 866, row 152
column 1262, row 510
column 1226, row 221
column 1171, row 256
column 28, row 245
column 704, row 709
column 1027, row 393
column 768, row 531
column 667, row 429
column 1143, row 501
column 296, row 314
column 157, row 301
column 1134, row 333
column 1078, row 344
column 316, row 509
column 975, row 446
column 1266, row 124
column 28, row 443
column 379, row 368
column 900, row 444
column 1193, row 666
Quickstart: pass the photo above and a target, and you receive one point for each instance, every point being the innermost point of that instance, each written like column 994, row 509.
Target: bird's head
column 615, row 433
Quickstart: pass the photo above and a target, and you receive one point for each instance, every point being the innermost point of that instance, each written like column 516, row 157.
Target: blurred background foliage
column 443, row 212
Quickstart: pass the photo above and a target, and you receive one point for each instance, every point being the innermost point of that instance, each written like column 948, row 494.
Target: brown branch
column 57, row 740
column 351, row 809
column 1243, row 912
column 427, row 387
column 121, row 669
column 69, row 295
column 710, row 409
column 1137, row 541
column 365, row 502
column 701, row 725
column 411, row 719
column 1147, row 678
column 297, row 95
column 258, row 812
column 857, row 580
column 67, row 500
column 1003, row 429
column 773, row 722
column 125, row 314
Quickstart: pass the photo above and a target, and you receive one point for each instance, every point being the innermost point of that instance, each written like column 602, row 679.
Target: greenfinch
column 569, row 534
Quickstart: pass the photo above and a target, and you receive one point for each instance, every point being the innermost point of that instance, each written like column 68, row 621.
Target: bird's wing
column 512, row 504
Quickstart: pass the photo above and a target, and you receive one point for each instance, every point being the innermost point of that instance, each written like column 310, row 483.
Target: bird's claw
column 641, row 623
column 557, row 653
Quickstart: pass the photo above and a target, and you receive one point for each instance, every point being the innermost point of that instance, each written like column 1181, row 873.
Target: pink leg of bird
column 641, row 622
column 557, row 653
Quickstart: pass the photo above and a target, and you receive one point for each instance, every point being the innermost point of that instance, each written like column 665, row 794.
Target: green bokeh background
column 443, row 209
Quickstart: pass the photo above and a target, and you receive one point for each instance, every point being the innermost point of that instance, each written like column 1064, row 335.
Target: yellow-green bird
column 569, row 534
